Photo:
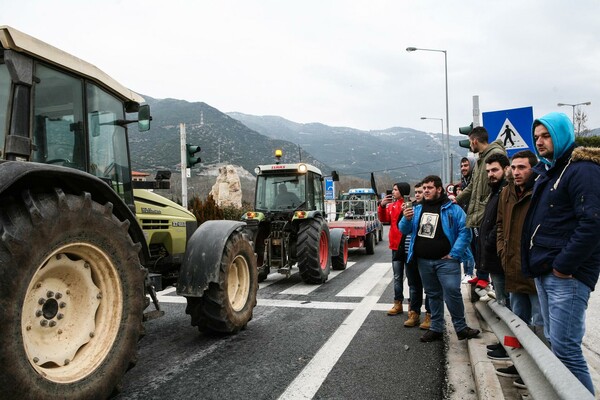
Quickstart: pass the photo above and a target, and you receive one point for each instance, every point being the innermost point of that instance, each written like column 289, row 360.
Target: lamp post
column 447, row 155
column 587, row 103
column 443, row 154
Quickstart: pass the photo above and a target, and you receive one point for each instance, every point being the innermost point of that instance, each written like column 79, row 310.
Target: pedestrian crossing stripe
column 511, row 137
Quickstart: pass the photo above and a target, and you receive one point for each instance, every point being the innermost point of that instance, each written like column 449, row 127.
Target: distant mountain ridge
column 403, row 153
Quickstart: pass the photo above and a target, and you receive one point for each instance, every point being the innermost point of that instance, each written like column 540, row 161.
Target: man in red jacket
column 390, row 209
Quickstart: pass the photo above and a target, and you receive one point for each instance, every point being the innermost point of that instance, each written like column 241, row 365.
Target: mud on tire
column 226, row 306
column 314, row 261
column 73, row 283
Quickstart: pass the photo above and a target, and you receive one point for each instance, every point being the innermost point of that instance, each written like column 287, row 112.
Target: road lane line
column 322, row 305
column 305, row 288
column 362, row 285
column 310, row 379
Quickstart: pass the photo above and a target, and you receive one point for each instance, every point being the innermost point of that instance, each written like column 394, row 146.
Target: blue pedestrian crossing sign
column 512, row 126
column 329, row 188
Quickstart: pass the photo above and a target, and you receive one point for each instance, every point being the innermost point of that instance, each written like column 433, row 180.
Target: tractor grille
column 155, row 224
column 277, row 228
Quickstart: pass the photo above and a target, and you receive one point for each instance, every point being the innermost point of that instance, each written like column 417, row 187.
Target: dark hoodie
column 562, row 225
column 488, row 259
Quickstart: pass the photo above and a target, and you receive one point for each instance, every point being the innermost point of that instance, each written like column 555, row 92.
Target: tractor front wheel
column 226, row 306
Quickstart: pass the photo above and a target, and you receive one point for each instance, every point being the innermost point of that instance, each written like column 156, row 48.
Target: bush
column 588, row 141
column 209, row 210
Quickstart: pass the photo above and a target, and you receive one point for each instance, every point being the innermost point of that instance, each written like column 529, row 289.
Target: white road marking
column 304, row 288
column 321, row 305
column 310, row 379
column 366, row 281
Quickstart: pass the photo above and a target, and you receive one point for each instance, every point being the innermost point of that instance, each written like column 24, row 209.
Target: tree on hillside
column 580, row 122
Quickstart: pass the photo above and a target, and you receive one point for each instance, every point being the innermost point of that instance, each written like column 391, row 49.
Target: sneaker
column 432, row 336
column 467, row 333
column 466, row 278
column 509, row 372
column 494, row 346
column 491, row 293
column 473, row 280
column 519, row 383
column 482, row 283
column 498, row 354
column 485, row 298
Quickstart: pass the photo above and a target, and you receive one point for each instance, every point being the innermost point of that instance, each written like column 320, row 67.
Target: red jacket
column 392, row 213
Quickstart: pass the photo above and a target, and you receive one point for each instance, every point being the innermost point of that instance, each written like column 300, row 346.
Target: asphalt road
column 329, row 341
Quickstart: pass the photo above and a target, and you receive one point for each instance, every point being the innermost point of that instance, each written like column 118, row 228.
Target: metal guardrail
column 545, row 376
column 356, row 209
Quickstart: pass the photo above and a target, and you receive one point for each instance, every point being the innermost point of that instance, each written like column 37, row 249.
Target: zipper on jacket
column 532, row 236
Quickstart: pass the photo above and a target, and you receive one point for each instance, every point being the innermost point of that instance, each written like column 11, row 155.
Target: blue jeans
column 398, row 268
column 527, row 307
column 415, row 288
column 441, row 280
column 499, row 283
column 469, row 267
column 563, row 303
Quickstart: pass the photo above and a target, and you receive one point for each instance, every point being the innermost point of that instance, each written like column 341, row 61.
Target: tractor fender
column 336, row 235
column 202, row 257
column 16, row 176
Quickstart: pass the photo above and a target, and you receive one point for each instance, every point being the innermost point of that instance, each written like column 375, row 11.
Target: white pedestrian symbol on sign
column 512, row 138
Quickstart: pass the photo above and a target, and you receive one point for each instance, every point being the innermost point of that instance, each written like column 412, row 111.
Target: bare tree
column 580, row 123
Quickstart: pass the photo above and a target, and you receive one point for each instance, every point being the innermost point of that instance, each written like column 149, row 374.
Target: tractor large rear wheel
column 314, row 261
column 226, row 306
column 71, row 295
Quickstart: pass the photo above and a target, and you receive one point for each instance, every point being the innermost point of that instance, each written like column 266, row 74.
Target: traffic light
column 465, row 130
column 191, row 159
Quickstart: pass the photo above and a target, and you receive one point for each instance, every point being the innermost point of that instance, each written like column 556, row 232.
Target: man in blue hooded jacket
column 559, row 246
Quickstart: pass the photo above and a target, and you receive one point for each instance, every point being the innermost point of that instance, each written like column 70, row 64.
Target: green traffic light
column 466, row 130
column 465, row 144
column 191, row 150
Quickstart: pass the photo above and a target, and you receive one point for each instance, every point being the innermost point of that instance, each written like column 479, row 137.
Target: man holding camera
column 439, row 251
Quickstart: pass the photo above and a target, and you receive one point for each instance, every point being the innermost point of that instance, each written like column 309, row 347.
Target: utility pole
column 184, row 169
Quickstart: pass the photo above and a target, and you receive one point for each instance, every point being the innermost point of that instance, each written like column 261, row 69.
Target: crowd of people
column 522, row 228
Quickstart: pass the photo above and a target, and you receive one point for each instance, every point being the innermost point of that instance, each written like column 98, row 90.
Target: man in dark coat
column 560, row 246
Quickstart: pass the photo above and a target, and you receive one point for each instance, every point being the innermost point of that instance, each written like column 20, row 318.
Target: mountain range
column 248, row 141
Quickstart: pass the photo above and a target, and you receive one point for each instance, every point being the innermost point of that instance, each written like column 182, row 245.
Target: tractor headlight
column 302, row 168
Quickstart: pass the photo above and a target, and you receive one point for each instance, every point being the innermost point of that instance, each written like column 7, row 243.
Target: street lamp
column 443, row 158
column 587, row 103
column 447, row 164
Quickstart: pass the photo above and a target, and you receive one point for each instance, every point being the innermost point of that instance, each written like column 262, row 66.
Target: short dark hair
column 465, row 159
column 500, row 158
column 418, row 184
column 479, row 133
column 533, row 160
column 437, row 181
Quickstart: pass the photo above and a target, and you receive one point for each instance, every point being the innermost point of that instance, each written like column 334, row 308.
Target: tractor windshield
column 5, row 84
column 280, row 192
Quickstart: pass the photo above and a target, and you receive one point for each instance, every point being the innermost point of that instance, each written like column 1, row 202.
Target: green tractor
column 79, row 247
column 288, row 224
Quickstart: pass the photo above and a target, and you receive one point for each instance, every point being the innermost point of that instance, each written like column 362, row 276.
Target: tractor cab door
column 76, row 125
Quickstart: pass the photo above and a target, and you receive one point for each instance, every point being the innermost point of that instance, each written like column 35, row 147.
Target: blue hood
column 561, row 131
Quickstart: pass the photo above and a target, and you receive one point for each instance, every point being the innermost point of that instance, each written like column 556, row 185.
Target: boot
column 426, row 324
column 413, row 319
column 396, row 309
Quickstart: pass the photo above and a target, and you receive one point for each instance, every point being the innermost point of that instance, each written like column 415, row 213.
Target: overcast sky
column 342, row 63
